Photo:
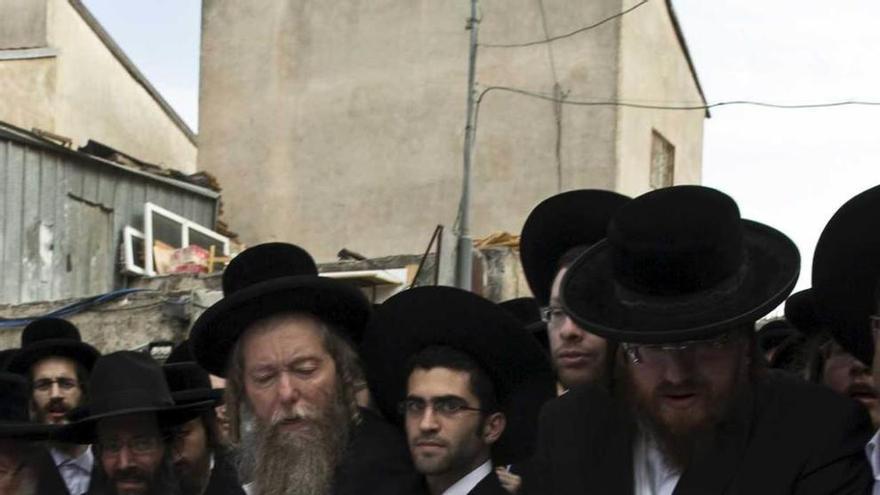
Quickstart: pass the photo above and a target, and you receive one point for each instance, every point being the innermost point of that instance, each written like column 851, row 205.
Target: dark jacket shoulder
column 378, row 460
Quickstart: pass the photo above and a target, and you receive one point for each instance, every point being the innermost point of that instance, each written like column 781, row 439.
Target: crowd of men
column 637, row 368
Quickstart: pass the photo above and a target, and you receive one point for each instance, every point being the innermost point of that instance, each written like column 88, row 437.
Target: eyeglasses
column 44, row 385
column 137, row 445
column 656, row 354
column 553, row 316
column 443, row 406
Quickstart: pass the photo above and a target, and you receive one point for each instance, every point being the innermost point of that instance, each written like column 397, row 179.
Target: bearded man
column 282, row 337
column 57, row 363
column 679, row 282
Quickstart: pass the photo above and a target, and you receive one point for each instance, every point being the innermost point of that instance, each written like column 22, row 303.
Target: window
column 662, row 161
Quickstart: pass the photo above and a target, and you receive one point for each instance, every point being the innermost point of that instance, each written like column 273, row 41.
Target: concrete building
column 340, row 124
column 62, row 74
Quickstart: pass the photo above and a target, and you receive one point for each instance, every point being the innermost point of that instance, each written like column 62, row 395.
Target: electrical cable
column 566, row 35
column 72, row 309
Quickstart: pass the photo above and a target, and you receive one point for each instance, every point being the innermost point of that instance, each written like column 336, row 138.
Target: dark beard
column 162, row 482
column 680, row 443
column 301, row 462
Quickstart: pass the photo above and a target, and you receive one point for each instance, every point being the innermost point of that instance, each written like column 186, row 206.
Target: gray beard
column 293, row 463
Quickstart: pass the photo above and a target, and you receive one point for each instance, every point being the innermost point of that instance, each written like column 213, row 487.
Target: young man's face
column 131, row 452
column 681, row 391
column 16, row 476
column 578, row 355
column 443, row 443
column 846, row 375
column 56, row 390
column 191, row 455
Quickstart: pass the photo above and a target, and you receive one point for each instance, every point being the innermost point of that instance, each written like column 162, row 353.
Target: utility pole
column 464, row 258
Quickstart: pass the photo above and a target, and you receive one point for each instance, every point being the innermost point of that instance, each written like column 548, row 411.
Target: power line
column 614, row 103
column 566, row 35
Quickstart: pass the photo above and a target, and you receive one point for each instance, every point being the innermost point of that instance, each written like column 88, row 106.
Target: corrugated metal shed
column 62, row 214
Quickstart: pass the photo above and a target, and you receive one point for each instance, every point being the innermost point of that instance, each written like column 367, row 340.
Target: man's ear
column 493, row 427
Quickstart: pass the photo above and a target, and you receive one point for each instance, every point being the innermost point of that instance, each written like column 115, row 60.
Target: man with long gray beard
column 281, row 337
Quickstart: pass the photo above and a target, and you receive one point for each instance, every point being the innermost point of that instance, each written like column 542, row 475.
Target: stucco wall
column 98, row 98
column 654, row 70
column 28, row 88
column 340, row 124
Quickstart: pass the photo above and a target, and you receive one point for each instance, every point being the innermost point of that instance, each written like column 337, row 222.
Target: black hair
column 448, row 357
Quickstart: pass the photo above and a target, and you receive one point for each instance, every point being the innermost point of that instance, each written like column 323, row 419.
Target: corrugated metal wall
column 61, row 220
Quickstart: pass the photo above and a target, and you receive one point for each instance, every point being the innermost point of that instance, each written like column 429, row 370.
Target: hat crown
column 265, row 262
column 126, row 380
column 49, row 329
column 13, row 398
column 183, row 376
column 676, row 241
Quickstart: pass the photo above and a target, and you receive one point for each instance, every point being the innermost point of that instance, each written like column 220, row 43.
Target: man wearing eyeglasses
column 131, row 418
column 846, row 290
column 448, row 364
column 680, row 281
column 556, row 232
column 57, row 363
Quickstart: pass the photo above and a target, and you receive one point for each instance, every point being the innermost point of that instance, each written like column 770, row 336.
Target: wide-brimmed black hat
column 679, row 264
column 800, row 311
column 558, row 224
column 846, row 271
column 14, row 417
column 127, row 382
column 6, row 356
column 422, row 317
column 527, row 311
column 269, row 279
column 190, row 383
column 181, row 353
column 775, row 332
column 51, row 337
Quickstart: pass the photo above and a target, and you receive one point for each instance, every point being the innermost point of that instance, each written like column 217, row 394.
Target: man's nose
column 288, row 390
column 429, row 420
column 569, row 330
column 55, row 391
column 679, row 366
column 125, row 457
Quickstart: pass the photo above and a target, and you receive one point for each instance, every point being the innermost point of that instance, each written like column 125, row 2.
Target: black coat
column 378, row 461
column 789, row 437
column 50, row 482
column 224, row 479
column 489, row 486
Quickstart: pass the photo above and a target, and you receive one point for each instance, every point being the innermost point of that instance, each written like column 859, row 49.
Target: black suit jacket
column 788, row 437
column 224, row 479
column 489, row 486
column 377, row 461
column 50, row 482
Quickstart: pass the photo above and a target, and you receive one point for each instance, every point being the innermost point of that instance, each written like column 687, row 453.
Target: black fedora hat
column 181, row 353
column 190, row 383
column 6, row 356
column 800, row 311
column 445, row 316
column 14, row 417
column 775, row 332
column 846, row 270
column 558, row 224
column 527, row 311
column 268, row 279
column 47, row 337
column 127, row 382
column 679, row 264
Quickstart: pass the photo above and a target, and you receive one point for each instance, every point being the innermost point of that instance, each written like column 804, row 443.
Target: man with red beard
column 680, row 281
column 57, row 363
column 556, row 232
column 282, row 337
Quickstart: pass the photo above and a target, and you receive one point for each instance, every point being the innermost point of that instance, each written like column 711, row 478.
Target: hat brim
column 216, row 331
column 83, row 431
column 769, row 272
column 26, row 431
column 80, row 352
column 558, row 224
column 214, row 395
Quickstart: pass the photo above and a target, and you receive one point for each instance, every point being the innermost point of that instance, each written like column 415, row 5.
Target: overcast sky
column 788, row 168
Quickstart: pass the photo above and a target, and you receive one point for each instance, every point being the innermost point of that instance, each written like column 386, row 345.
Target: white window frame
column 185, row 226
column 129, row 233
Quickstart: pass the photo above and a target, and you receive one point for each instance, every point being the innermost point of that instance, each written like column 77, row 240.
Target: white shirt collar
column 472, row 479
column 84, row 461
column 652, row 474
column 872, row 450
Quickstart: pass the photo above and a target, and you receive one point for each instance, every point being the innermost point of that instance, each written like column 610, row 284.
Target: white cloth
column 472, row 479
column 652, row 474
column 75, row 471
column 872, row 450
column 248, row 488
